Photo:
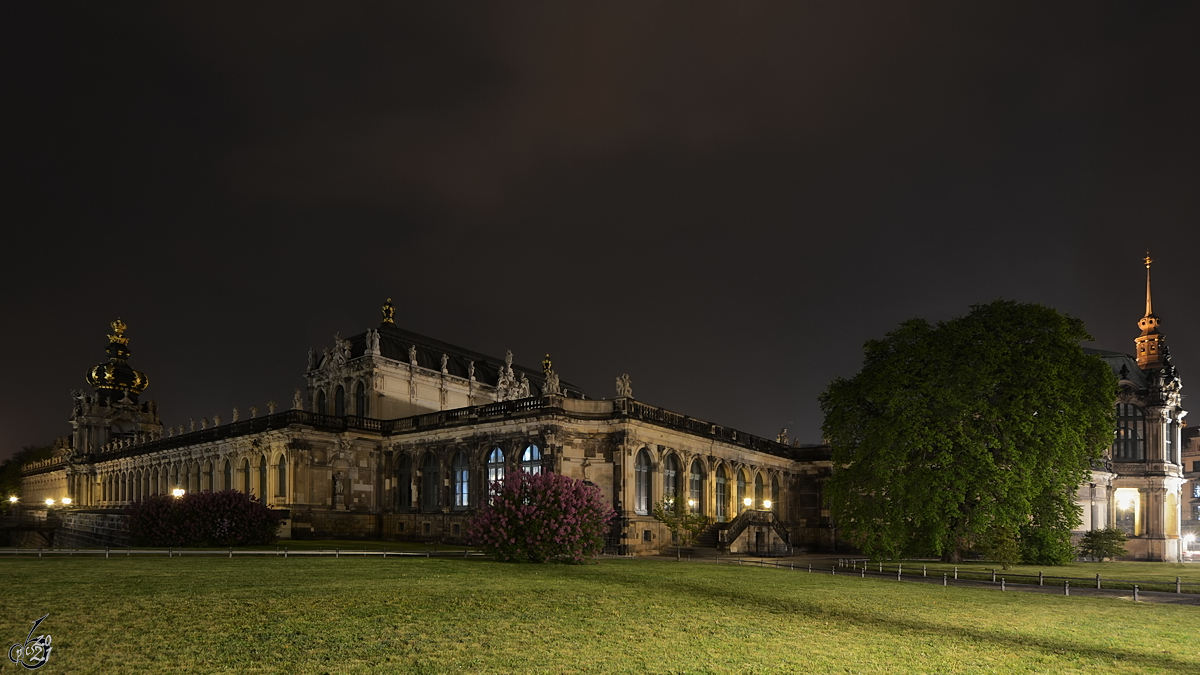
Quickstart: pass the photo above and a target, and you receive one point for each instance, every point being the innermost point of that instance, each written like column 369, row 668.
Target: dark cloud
column 725, row 202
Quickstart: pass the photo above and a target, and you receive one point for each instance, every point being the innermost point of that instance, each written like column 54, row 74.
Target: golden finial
column 1148, row 260
column 389, row 311
column 119, row 327
column 546, row 365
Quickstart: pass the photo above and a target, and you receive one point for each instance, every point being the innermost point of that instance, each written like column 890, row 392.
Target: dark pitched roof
column 394, row 343
column 1119, row 360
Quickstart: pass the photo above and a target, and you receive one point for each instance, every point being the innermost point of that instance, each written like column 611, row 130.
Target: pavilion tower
column 1151, row 343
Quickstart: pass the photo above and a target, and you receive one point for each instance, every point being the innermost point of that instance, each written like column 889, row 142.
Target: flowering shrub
column 542, row 518
column 228, row 518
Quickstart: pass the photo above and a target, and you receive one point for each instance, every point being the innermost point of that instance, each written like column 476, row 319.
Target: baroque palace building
column 398, row 436
column 1138, row 486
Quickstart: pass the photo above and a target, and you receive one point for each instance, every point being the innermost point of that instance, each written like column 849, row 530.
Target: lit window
column 641, row 483
column 670, row 477
column 531, row 461
column 495, row 469
column 722, row 495
column 741, row 491
column 758, row 491
column 696, row 486
column 462, row 481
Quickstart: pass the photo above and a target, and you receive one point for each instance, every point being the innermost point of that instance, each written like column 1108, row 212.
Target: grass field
column 431, row 615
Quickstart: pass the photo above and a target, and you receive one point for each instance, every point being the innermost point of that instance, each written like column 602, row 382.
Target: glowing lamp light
column 748, row 502
column 767, row 504
column 1189, row 538
column 691, row 503
column 177, row 492
column 66, row 501
column 49, row 502
column 14, row 500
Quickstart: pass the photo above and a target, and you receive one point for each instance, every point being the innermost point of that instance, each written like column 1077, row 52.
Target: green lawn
column 431, row 615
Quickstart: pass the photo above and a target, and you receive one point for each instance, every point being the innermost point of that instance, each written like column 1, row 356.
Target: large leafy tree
column 971, row 433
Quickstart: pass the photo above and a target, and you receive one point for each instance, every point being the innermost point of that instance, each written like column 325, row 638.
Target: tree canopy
column 968, row 434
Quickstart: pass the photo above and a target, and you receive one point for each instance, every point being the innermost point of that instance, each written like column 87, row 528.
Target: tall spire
column 1149, row 304
column 1150, row 344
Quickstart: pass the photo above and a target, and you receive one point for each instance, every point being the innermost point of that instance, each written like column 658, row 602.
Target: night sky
column 724, row 201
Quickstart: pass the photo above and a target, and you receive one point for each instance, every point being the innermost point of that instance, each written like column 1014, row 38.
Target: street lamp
column 14, row 499
column 66, row 501
column 766, row 504
column 177, row 492
column 49, row 502
column 747, row 502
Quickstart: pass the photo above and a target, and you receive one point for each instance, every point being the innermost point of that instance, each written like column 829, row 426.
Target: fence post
column 285, row 551
column 956, row 572
column 1135, row 593
column 168, row 551
column 810, row 568
column 924, row 571
column 1178, row 585
column 881, row 567
column 993, row 575
column 106, row 553
column 1041, row 579
column 39, row 551
column 897, row 573
column 1001, row 583
column 863, row 572
column 833, row 570
column 230, row 551
column 1097, row 582
column 1066, row 586
column 944, row 578
column 337, row 553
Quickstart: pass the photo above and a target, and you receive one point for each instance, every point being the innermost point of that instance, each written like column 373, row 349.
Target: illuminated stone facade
column 399, row 436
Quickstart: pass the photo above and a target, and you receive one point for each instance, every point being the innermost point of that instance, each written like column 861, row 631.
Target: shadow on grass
column 716, row 591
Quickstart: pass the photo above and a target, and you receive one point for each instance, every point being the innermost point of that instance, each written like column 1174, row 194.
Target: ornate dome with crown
column 114, row 379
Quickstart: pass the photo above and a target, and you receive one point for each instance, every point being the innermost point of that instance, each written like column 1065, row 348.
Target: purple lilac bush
column 542, row 518
column 228, row 518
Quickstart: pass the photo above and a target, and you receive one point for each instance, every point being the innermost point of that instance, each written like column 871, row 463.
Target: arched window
column 670, row 477
column 282, row 491
column 262, row 479
column 758, row 491
column 431, row 483
column 722, row 495
column 1130, row 444
column 360, row 400
column 339, row 401
column 228, row 483
column 641, row 483
column 741, row 490
column 206, row 477
column 403, row 482
column 322, row 406
column 462, row 481
column 531, row 460
column 495, row 469
column 774, row 492
column 246, row 477
column 696, row 487
column 194, row 477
